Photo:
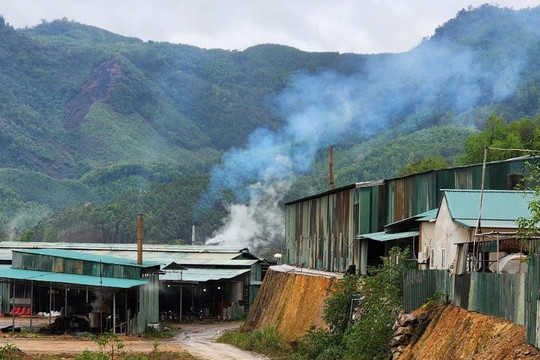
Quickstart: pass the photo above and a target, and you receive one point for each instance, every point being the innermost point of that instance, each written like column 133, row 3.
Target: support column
column 13, row 306
column 181, row 289
column 65, row 300
column 31, row 304
column 114, row 312
column 50, row 303
column 363, row 256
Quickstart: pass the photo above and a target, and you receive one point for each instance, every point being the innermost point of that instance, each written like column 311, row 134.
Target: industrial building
column 115, row 294
column 338, row 228
column 215, row 281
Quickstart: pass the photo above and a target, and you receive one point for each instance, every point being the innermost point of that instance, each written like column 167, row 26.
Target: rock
column 407, row 319
column 401, row 348
column 403, row 330
column 399, row 340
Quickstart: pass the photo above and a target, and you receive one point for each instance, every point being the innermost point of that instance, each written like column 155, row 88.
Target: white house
column 459, row 239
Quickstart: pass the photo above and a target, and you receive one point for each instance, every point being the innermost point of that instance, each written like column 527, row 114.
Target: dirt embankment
column 291, row 300
column 455, row 333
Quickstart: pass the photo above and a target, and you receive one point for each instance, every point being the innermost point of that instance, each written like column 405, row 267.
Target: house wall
column 442, row 248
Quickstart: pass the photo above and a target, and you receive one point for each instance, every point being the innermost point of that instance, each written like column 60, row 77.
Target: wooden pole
column 139, row 238
column 331, row 167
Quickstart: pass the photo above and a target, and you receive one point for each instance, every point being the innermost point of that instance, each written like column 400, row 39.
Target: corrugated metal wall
column 421, row 285
column 501, row 295
column 320, row 232
column 531, row 301
column 148, row 306
column 40, row 262
column 411, row 195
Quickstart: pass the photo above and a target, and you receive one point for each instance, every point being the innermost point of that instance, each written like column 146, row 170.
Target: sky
column 345, row 26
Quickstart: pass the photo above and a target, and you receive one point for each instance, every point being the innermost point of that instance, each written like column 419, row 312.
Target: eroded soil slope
column 456, row 333
column 291, row 300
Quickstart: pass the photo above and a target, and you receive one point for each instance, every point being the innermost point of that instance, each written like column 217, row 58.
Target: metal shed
column 115, row 294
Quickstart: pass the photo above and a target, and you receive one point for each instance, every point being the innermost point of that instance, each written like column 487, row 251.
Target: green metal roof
column 500, row 208
column 382, row 236
column 77, row 255
column 72, row 279
column 201, row 274
column 428, row 215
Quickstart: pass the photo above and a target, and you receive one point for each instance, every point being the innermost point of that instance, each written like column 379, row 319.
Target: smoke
column 256, row 223
column 443, row 75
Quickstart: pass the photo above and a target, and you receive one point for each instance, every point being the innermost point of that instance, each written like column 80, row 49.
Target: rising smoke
column 443, row 75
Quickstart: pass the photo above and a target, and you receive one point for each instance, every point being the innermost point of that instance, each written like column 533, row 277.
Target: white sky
column 359, row 26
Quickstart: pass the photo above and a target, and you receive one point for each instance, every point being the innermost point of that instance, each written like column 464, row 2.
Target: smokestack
column 139, row 238
column 331, row 167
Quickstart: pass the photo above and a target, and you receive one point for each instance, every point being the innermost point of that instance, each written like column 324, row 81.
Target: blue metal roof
column 500, row 208
column 72, row 279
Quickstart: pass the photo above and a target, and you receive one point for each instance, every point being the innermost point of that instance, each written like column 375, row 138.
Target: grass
column 266, row 340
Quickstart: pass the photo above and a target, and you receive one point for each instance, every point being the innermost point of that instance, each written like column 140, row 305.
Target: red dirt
column 460, row 334
column 292, row 301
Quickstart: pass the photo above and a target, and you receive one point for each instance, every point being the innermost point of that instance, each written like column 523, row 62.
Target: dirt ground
column 292, row 299
column 459, row 334
column 198, row 339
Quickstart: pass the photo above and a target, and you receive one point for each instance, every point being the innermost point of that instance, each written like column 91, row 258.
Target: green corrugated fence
column 501, row 295
column 510, row 296
column 421, row 285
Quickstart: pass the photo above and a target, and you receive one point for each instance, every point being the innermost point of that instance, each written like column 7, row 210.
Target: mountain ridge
column 81, row 103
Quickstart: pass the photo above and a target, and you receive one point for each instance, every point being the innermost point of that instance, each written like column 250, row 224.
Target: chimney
column 331, row 167
column 139, row 238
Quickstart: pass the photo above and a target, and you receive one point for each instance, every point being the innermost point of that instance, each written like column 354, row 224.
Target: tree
column 427, row 163
column 530, row 226
column 521, row 134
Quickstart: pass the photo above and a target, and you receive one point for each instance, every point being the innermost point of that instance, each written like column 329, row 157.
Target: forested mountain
column 98, row 127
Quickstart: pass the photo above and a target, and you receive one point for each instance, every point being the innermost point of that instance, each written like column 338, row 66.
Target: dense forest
column 97, row 127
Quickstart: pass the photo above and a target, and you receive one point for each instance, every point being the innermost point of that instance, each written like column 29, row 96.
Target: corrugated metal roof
column 428, row 215
column 72, row 279
column 382, row 236
column 165, row 258
column 159, row 254
column 125, row 247
column 201, row 274
column 501, row 208
column 85, row 256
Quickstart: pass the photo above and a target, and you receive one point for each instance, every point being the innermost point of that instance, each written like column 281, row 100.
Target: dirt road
column 199, row 339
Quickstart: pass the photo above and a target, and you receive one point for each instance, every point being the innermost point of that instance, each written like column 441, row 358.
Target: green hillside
column 95, row 127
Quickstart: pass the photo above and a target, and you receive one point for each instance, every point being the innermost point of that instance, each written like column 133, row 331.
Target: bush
column 266, row 340
column 319, row 344
column 369, row 337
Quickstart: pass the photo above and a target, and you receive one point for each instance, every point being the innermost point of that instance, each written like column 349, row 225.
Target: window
column 443, row 258
column 431, row 257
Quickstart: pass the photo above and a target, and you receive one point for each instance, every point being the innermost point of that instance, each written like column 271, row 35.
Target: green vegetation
column 497, row 133
column 266, row 340
column 368, row 337
column 10, row 352
column 529, row 227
